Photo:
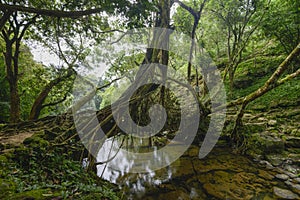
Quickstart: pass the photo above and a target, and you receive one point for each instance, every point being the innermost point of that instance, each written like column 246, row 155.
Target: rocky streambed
column 220, row 175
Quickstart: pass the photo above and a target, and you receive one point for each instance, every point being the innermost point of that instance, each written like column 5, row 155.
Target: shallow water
column 220, row 175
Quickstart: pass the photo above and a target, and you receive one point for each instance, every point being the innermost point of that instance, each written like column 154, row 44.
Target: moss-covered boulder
column 36, row 141
column 265, row 144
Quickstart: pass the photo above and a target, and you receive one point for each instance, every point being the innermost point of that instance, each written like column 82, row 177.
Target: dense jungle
column 151, row 99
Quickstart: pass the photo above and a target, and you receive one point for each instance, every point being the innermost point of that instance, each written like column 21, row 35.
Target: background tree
column 240, row 19
column 283, row 23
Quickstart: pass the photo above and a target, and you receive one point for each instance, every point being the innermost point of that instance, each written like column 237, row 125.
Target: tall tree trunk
column 197, row 17
column 165, row 23
column 13, row 35
column 38, row 103
column 12, row 77
column 14, row 102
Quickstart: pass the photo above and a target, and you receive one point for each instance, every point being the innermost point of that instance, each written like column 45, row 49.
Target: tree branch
column 89, row 96
column 50, row 13
column 270, row 84
column 55, row 103
column 4, row 19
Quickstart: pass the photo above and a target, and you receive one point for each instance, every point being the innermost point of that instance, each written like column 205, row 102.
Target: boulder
column 284, row 194
column 282, row 176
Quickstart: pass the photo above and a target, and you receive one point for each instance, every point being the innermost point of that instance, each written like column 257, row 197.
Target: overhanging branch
column 50, row 13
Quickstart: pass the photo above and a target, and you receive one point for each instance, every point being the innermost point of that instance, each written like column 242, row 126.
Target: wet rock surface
column 221, row 175
column 277, row 147
column 285, row 194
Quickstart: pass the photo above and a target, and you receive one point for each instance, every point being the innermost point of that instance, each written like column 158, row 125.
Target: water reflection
column 119, row 151
column 221, row 175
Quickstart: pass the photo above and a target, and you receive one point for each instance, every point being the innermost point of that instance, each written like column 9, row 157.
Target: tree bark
column 13, row 36
column 12, row 76
column 197, row 17
column 38, row 103
column 6, row 15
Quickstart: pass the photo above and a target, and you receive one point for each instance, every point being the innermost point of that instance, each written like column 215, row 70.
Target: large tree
column 239, row 20
column 36, row 16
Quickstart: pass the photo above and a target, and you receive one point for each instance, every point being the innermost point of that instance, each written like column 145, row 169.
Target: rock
column 296, row 187
column 241, row 83
column 179, row 194
column 285, row 194
column 265, row 175
column 275, row 159
column 292, row 169
column 290, row 174
column 272, row 122
column 269, row 144
column 282, row 176
column 266, row 164
column 295, row 158
column 297, row 180
column 279, row 170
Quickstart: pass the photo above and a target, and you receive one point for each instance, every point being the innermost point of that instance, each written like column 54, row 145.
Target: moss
column 6, row 188
column 3, row 159
column 264, row 144
column 41, row 194
column 36, row 142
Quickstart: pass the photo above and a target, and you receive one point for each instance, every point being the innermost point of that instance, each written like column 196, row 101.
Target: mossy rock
column 293, row 142
column 22, row 155
column 255, row 127
column 242, row 83
column 265, row 144
column 36, row 142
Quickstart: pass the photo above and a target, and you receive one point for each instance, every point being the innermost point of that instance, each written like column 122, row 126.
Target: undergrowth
column 44, row 173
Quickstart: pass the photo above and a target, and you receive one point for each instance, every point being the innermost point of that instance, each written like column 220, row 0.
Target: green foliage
column 254, row 75
column 183, row 20
column 283, row 96
column 283, row 23
column 4, row 88
column 41, row 171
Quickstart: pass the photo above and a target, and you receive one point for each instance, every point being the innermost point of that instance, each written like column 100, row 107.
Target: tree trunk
column 38, row 103
column 197, row 17
column 12, row 77
column 12, row 37
column 14, row 102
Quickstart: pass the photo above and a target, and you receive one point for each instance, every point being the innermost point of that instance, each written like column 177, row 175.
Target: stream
column 220, row 175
